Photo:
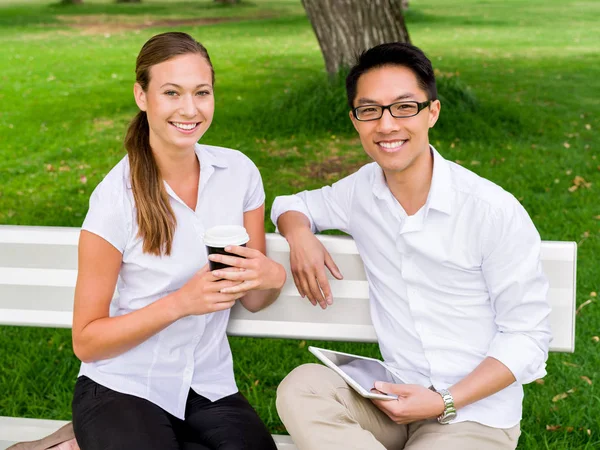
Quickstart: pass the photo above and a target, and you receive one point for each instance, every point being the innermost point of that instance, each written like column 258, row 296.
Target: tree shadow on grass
column 25, row 16
column 318, row 106
column 198, row 8
column 187, row 13
column 417, row 17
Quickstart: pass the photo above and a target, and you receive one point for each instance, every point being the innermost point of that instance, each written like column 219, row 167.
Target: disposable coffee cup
column 219, row 237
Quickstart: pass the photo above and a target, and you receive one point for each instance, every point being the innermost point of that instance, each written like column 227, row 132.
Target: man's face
column 179, row 102
column 396, row 144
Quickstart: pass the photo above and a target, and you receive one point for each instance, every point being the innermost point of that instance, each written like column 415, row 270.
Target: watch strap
column 449, row 408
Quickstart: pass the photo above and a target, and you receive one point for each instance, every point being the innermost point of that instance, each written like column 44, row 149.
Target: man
column 457, row 293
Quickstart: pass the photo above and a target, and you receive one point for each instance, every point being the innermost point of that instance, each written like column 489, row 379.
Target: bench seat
column 38, row 270
column 14, row 429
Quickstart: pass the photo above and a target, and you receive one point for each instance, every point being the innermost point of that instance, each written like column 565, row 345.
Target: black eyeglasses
column 399, row 110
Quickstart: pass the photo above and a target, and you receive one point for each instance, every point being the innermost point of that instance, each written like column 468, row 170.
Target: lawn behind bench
column 520, row 105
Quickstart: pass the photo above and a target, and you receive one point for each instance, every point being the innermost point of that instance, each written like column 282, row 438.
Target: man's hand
column 414, row 402
column 308, row 259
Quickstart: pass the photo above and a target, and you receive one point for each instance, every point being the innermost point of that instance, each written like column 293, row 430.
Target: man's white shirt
column 456, row 282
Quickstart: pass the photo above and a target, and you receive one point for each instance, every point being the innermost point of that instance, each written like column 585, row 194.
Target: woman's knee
column 98, row 409
column 230, row 423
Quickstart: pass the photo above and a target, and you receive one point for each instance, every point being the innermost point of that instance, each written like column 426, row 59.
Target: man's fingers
column 391, row 388
column 384, row 387
column 306, row 281
column 316, row 293
column 298, row 285
column 324, row 287
column 333, row 268
column 306, row 289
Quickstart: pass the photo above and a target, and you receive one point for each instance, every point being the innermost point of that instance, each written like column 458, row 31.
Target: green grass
column 520, row 90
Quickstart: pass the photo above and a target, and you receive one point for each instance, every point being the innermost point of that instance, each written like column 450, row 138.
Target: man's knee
column 308, row 379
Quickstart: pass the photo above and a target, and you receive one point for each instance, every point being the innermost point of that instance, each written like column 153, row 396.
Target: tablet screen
column 364, row 371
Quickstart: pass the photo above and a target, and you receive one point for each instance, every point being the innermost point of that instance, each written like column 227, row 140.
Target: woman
column 157, row 371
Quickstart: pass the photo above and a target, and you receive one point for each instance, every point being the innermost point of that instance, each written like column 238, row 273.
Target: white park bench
column 38, row 269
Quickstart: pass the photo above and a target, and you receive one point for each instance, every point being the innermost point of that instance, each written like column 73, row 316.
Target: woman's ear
column 140, row 96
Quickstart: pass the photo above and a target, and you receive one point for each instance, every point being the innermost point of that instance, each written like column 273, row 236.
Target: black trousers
column 107, row 420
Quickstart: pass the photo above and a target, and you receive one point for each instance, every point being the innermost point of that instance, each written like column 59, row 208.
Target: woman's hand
column 203, row 294
column 254, row 271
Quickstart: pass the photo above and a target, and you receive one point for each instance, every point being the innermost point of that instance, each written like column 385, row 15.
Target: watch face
column 447, row 418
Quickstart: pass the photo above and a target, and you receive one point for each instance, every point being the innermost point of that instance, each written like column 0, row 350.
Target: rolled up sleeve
column 285, row 203
column 518, row 291
column 327, row 208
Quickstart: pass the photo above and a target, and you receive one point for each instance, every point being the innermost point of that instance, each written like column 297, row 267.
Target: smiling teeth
column 185, row 126
column 391, row 144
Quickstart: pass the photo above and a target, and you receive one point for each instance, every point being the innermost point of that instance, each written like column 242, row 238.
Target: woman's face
column 179, row 102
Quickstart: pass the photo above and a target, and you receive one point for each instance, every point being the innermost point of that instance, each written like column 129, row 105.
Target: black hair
column 393, row 54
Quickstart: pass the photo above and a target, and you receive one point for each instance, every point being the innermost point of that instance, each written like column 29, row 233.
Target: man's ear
column 434, row 112
column 353, row 120
column 140, row 96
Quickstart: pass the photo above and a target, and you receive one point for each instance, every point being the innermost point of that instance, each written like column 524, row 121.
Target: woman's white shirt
column 192, row 352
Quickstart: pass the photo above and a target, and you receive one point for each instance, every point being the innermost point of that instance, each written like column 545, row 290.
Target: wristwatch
column 449, row 413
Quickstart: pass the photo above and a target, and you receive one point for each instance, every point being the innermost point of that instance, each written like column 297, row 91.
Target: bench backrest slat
column 38, row 269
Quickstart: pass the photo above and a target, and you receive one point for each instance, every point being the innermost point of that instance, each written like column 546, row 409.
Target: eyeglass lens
column 400, row 109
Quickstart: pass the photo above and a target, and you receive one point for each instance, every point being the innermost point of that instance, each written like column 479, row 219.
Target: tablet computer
column 359, row 372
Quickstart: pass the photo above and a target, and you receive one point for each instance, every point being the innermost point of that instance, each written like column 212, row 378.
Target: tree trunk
column 345, row 28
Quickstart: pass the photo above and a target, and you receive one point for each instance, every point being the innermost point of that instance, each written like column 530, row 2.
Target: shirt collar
column 207, row 158
column 440, row 191
column 380, row 187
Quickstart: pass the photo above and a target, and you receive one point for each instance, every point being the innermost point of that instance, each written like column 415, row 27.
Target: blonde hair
column 155, row 217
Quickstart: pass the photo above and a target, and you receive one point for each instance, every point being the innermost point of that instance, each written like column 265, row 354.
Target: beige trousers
column 321, row 412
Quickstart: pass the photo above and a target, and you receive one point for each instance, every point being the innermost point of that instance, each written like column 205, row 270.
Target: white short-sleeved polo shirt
column 192, row 352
